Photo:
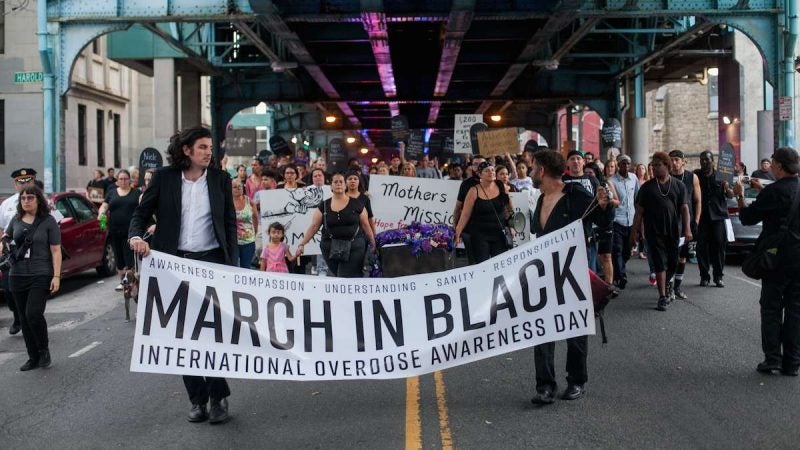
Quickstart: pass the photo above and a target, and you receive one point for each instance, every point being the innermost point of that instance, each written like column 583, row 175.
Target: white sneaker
column 119, row 287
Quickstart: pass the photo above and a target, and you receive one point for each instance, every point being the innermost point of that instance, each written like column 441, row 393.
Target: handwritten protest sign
column 293, row 209
column 498, row 141
column 461, row 138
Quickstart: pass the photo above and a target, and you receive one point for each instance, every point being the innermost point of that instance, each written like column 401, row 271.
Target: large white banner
column 205, row 319
column 293, row 208
column 398, row 201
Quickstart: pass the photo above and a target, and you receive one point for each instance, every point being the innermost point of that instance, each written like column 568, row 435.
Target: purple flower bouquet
column 420, row 239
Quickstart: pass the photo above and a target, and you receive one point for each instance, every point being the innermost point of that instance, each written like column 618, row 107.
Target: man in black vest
column 692, row 183
column 711, row 235
column 193, row 205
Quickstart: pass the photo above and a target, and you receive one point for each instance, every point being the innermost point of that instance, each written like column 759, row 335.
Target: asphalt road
column 683, row 378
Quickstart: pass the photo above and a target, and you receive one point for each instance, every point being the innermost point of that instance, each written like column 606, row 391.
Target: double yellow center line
column 413, row 417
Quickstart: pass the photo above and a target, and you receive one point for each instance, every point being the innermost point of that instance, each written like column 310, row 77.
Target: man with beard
column 711, row 234
column 692, row 184
column 662, row 205
column 195, row 201
column 559, row 205
column 575, row 174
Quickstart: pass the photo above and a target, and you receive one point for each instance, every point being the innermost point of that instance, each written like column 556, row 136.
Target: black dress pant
column 620, row 250
column 353, row 267
column 201, row 388
column 544, row 357
column 711, row 242
column 780, row 321
column 30, row 295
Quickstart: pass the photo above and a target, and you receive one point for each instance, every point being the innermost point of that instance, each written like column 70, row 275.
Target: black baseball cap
column 573, row 153
column 676, row 154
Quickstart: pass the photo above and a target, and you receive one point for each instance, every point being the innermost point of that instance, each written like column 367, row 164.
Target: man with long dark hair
column 559, row 205
column 201, row 227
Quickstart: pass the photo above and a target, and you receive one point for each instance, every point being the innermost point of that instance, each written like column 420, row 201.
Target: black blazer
column 163, row 198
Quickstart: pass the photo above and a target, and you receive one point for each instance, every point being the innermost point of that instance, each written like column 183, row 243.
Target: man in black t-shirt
column 692, row 185
column 711, row 233
column 662, row 205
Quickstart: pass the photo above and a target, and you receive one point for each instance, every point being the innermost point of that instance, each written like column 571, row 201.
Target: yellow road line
column 413, row 422
column 444, row 421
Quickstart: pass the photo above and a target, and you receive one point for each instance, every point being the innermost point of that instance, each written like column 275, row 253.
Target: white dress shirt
column 197, row 229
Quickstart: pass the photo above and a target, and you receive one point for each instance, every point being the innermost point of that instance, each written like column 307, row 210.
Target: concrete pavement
column 675, row 379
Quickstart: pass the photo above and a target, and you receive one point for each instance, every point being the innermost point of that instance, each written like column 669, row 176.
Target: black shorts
column 605, row 237
column 664, row 252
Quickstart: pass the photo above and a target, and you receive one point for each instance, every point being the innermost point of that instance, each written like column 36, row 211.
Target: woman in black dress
column 487, row 206
column 120, row 204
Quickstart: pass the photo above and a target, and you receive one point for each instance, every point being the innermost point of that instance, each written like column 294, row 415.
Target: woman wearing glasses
column 120, row 202
column 34, row 240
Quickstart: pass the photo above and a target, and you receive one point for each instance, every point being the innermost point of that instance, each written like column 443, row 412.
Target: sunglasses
column 27, row 198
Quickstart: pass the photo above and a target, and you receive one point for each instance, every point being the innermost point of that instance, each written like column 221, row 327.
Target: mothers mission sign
column 198, row 318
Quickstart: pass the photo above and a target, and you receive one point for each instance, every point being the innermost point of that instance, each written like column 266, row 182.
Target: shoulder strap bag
column 340, row 248
column 766, row 257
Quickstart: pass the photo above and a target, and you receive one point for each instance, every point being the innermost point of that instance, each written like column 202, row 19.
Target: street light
column 330, row 118
column 713, row 71
column 496, row 117
column 350, row 139
column 364, row 150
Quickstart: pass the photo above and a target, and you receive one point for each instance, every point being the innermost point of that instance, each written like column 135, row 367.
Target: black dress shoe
column 29, row 365
column 44, row 359
column 543, row 397
column 789, row 371
column 718, row 283
column 219, row 411
column 573, row 392
column 198, row 413
column 704, row 282
column 622, row 282
column 14, row 329
column 767, row 367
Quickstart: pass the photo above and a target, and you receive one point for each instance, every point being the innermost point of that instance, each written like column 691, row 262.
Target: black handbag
column 507, row 236
column 767, row 255
column 340, row 248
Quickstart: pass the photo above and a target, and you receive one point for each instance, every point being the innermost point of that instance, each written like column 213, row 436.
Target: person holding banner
column 355, row 189
column 559, row 205
column 341, row 218
column 487, row 208
column 196, row 202
column 711, row 235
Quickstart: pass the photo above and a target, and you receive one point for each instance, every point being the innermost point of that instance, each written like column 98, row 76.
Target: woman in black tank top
column 486, row 208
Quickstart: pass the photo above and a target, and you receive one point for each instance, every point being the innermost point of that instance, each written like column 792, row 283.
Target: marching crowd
column 199, row 209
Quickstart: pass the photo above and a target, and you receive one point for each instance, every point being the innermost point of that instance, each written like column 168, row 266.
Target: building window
column 96, row 46
column 82, row 135
column 117, row 142
column 2, row 27
column 2, row 131
column 713, row 93
column 101, row 138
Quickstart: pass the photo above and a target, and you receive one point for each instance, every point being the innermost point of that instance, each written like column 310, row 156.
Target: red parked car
column 84, row 245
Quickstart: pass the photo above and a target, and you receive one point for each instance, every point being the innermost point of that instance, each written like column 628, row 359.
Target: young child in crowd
column 276, row 252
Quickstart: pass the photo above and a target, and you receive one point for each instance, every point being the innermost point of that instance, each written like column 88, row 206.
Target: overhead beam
column 373, row 19
column 458, row 22
column 192, row 56
column 560, row 19
column 690, row 35
column 587, row 26
column 269, row 17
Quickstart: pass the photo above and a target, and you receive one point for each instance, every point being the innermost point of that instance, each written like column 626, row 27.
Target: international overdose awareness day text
column 197, row 318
